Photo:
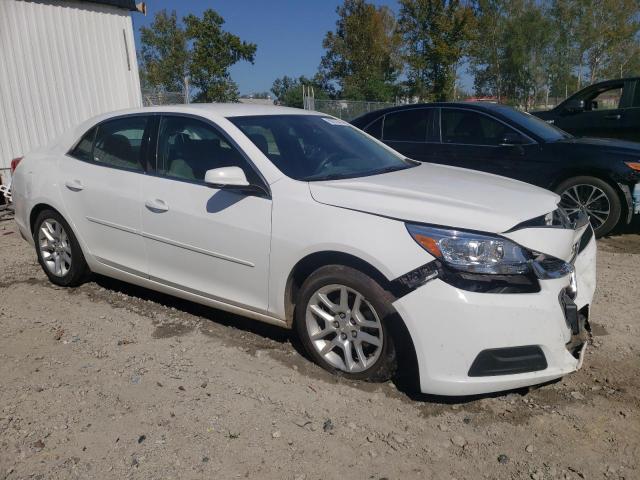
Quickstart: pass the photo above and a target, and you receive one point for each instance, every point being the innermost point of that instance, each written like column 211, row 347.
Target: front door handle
column 613, row 117
column 74, row 185
column 156, row 205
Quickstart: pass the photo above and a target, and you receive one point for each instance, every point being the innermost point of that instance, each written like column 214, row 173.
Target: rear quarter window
column 83, row 150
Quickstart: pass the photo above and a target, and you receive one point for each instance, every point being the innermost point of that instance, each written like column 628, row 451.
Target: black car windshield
column 535, row 125
column 314, row 148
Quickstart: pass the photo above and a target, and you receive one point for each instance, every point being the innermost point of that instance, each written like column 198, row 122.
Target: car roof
column 369, row 117
column 216, row 109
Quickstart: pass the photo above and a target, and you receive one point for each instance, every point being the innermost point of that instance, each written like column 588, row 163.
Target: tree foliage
column 196, row 51
column 523, row 50
column 435, row 37
column 164, row 54
column 363, row 53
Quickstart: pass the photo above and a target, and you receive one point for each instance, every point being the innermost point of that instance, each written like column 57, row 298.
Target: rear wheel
column 59, row 253
column 341, row 317
column 593, row 196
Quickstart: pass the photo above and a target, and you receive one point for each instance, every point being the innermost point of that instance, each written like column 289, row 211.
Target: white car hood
column 440, row 195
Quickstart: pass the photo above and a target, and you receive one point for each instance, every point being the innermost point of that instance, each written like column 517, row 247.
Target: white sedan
column 298, row 219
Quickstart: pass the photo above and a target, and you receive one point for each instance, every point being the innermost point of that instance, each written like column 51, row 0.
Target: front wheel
column 341, row 319
column 593, row 196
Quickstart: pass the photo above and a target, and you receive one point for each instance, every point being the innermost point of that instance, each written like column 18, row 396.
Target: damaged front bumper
column 474, row 342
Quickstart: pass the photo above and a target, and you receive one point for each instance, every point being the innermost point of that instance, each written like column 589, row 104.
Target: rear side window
column 84, row 148
column 412, row 125
column 119, row 143
column 375, row 129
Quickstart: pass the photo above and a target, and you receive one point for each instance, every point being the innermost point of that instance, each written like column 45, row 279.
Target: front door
column 603, row 114
column 100, row 187
column 473, row 140
column 208, row 241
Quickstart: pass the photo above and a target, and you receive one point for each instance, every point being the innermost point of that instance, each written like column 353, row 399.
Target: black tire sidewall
column 613, row 197
column 78, row 271
column 384, row 367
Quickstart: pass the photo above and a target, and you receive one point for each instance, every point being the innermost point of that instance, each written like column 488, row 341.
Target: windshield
column 535, row 125
column 313, row 148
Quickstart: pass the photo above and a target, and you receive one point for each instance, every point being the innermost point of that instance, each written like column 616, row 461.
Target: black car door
column 596, row 112
column 409, row 131
column 474, row 140
column 631, row 116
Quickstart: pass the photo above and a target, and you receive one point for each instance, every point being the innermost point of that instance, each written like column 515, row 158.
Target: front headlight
column 473, row 252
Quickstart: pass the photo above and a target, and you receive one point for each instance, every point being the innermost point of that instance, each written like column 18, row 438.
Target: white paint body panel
column 61, row 62
column 237, row 252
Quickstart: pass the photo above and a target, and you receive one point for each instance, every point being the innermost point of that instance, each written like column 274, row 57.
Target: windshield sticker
column 335, row 121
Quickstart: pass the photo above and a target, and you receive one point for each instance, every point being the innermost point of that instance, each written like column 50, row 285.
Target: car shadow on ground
column 406, row 381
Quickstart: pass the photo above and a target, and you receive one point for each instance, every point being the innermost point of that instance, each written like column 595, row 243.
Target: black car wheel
column 593, row 196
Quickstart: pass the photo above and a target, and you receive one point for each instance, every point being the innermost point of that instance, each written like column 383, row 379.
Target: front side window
column 119, row 143
column 471, row 128
column 312, row 147
column 408, row 125
column 605, row 100
column 188, row 147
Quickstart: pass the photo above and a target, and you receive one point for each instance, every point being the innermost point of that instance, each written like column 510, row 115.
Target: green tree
column 510, row 50
column 213, row 52
column 363, row 53
column 563, row 54
column 607, row 33
column 164, row 54
column 486, row 49
column 435, row 34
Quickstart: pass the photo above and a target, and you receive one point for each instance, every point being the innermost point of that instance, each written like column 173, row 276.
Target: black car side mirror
column 574, row 106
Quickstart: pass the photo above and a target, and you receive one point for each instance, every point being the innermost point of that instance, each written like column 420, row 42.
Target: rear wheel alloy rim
column 344, row 328
column 588, row 199
column 55, row 248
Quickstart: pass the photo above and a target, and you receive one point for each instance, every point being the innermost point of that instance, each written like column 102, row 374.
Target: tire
column 54, row 239
column 594, row 196
column 317, row 330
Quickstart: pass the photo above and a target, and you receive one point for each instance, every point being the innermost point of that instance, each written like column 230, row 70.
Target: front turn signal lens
column 633, row 165
column 429, row 244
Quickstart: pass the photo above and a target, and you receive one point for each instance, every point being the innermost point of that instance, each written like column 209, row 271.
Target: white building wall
column 61, row 62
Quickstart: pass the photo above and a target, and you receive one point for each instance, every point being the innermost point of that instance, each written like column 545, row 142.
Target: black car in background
column 608, row 109
column 597, row 176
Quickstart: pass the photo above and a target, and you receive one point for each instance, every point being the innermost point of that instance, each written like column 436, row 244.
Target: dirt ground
column 112, row 381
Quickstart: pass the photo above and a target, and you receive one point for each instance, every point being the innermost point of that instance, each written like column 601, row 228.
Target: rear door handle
column 156, row 205
column 613, row 117
column 74, row 185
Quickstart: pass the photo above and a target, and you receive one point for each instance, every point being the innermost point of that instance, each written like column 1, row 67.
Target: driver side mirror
column 226, row 177
column 574, row 106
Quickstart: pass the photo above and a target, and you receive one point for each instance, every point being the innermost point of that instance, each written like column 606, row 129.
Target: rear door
column 100, row 187
column 208, row 241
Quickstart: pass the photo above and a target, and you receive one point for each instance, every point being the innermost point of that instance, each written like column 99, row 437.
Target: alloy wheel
column 588, row 199
column 54, row 246
column 344, row 328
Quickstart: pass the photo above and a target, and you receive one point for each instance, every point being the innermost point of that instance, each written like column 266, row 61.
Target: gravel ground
column 112, row 381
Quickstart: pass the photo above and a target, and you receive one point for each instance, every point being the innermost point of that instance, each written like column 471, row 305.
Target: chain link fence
column 348, row 109
column 152, row 98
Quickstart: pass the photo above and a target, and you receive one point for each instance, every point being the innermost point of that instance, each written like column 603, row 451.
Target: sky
column 288, row 33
